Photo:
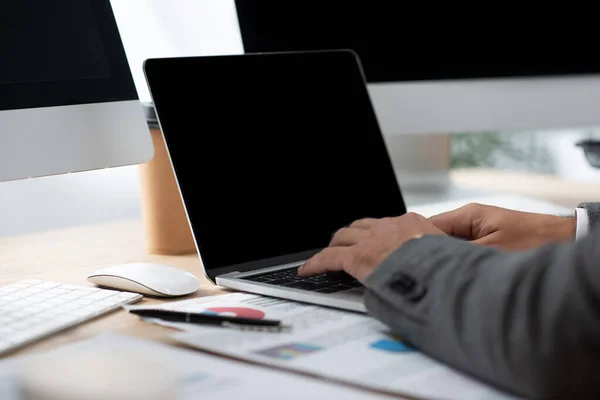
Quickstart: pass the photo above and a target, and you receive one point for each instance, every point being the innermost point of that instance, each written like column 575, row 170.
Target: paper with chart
column 335, row 344
column 197, row 375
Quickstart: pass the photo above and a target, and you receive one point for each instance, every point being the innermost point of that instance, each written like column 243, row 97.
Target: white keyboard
column 31, row 310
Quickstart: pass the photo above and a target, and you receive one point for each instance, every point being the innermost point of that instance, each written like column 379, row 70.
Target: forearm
column 527, row 322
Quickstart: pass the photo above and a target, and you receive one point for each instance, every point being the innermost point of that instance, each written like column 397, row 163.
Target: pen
column 212, row 319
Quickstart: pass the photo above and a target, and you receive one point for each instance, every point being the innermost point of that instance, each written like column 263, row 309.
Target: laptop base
column 351, row 299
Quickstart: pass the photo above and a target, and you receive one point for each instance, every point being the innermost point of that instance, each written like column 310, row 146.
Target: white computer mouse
column 146, row 278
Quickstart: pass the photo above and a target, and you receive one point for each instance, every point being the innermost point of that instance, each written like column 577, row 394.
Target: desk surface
column 69, row 255
column 544, row 187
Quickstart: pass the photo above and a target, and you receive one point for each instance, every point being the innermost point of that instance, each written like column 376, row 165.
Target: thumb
column 494, row 239
column 457, row 223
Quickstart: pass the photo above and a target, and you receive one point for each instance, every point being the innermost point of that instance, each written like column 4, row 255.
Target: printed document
column 197, row 375
column 334, row 344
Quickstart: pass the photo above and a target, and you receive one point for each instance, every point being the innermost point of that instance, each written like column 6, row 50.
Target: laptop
column 272, row 154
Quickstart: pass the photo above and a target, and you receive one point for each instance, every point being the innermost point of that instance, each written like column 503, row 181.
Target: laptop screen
column 273, row 153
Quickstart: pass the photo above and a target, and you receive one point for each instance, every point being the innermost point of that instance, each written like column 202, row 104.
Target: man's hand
column 505, row 229
column 362, row 246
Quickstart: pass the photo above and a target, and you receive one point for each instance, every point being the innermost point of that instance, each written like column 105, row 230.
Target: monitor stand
column 422, row 165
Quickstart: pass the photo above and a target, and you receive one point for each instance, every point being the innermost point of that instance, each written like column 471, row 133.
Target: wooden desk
column 69, row 255
column 543, row 187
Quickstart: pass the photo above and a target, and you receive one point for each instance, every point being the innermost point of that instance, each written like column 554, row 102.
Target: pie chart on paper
column 236, row 312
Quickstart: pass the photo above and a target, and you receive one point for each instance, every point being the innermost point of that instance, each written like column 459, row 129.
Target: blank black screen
column 63, row 52
column 406, row 41
column 273, row 153
column 45, row 48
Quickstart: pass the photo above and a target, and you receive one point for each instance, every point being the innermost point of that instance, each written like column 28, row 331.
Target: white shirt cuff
column 583, row 223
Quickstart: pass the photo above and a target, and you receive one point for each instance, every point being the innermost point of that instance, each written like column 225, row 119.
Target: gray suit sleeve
column 525, row 322
column 593, row 212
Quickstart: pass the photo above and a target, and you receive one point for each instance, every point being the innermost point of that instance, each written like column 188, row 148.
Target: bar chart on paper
column 290, row 351
column 334, row 344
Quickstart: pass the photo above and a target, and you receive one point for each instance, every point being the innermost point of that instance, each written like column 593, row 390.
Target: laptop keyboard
column 325, row 283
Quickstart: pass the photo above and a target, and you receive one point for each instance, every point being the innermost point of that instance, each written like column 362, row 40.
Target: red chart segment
column 237, row 312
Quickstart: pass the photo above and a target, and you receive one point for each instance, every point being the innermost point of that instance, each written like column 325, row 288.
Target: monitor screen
column 61, row 53
column 416, row 41
column 273, row 154
column 68, row 102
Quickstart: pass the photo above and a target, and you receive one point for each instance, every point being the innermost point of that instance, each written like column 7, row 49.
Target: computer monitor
column 67, row 98
column 437, row 70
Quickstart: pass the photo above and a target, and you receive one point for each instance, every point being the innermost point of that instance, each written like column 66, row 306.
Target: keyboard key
column 325, row 283
column 127, row 295
column 47, row 285
column 31, row 310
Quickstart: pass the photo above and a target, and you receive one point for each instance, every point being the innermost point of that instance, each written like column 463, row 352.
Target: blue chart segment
column 392, row 346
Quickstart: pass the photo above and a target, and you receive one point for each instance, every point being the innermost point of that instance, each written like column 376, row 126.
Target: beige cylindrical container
column 166, row 227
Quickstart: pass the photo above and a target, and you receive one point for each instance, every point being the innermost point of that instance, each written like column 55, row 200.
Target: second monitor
column 437, row 70
column 440, row 69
